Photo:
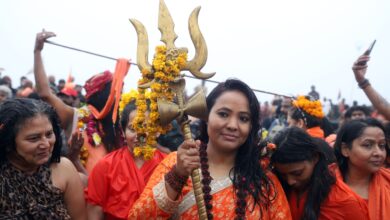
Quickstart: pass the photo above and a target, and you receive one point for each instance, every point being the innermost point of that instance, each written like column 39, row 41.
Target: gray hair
column 6, row 89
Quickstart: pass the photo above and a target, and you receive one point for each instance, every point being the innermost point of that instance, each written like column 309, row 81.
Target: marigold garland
column 86, row 122
column 313, row 108
column 166, row 66
column 128, row 97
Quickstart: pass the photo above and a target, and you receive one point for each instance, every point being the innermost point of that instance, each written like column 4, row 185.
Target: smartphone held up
column 368, row 52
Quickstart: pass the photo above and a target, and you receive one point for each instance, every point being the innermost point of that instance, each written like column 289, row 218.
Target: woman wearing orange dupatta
column 313, row 191
column 102, row 94
column 360, row 150
column 234, row 184
column 119, row 178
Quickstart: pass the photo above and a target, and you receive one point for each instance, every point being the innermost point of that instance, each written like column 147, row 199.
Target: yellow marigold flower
column 151, row 130
column 145, row 72
column 154, row 116
column 158, row 65
column 141, row 119
column 148, row 152
column 137, row 151
column 153, row 106
column 152, row 142
column 126, row 98
column 170, row 63
column 161, row 49
column 80, row 124
column 156, row 87
column 168, row 69
column 159, row 74
column 264, row 134
column 96, row 139
column 83, row 155
column 143, row 107
column 182, row 60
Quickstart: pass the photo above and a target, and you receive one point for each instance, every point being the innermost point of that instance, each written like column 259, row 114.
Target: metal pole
column 188, row 76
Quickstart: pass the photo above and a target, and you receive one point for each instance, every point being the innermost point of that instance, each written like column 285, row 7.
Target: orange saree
column 154, row 203
column 116, row 182
column 341, row 204
column 379, row 195
column 377, row 206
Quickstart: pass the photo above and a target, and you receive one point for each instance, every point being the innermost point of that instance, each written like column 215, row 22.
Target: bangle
column 363, row 84
column 174, row 180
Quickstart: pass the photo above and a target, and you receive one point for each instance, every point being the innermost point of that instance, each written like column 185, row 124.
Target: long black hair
column 347, row 134
column 249, row 179
column 124, row 120
column 14, row 113
column 295, row 145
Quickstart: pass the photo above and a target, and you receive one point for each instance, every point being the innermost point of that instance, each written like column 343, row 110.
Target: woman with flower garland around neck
column 360, row 151
column 102, row 131
column 119, row 178
column 234, row 184
column 35, row 182
column 312, row 190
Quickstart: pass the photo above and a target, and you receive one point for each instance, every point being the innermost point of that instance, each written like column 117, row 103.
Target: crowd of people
column 70, row 152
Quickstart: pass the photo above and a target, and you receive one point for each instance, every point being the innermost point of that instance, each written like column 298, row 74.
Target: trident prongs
column 200, row 58
column 166, row 26
column 168, row 36
column 143, row 46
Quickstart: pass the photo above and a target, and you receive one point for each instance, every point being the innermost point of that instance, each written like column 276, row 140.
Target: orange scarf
column 316, row 132
column 121, row 69
column 378, row 204
column 379, row 195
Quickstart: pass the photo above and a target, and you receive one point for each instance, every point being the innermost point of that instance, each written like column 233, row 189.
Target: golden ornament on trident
column 196, row 106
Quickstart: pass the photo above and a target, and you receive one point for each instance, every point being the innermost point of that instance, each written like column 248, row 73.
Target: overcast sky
column 282, row 46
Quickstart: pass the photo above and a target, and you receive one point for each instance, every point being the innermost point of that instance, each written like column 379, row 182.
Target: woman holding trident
column 234, row 184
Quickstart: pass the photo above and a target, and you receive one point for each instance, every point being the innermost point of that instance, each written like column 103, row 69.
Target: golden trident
column 196, row 106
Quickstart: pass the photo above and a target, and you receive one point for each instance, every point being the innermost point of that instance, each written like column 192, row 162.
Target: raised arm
column 380, row 103
column 64, row 111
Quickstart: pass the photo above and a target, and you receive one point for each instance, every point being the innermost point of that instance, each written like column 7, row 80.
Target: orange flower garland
column 165, row 71
column 85, row 121
column 313, row 108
